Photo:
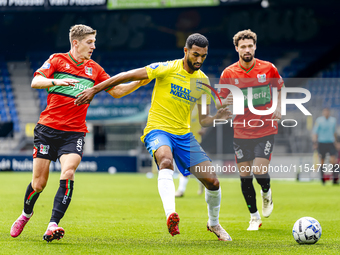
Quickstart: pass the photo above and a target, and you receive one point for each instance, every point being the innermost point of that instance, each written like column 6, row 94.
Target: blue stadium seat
column 3, row 115
column 16, row 126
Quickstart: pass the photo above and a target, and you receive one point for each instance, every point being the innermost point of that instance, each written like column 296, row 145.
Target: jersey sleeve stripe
column 42, row 74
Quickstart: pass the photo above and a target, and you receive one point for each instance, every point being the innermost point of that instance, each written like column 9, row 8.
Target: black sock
column 335, row 174
column 249, row 193
column 31, row 197
column 264, row 181
column 61, row 200
column 322, row 174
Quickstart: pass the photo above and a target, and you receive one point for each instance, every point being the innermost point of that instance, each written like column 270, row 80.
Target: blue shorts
column 186, row 151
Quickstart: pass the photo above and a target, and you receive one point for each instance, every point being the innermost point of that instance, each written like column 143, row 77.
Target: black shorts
column 249, row 149
column 50, row 143
column 324, row 148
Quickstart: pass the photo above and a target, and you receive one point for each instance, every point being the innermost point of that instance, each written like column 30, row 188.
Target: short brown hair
column 244, row 34
column 79, row 32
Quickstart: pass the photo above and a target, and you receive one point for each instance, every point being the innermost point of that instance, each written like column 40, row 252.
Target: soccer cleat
column 172, row 222
column 221, row 234
column 254, row 224
column 53, row 232
column 19, row 224
column 179, row 193
column 267, row 205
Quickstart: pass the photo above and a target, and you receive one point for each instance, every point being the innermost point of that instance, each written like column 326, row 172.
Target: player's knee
column 166, row 164
column 38, row 186
column 68, row 174
column 212, row 184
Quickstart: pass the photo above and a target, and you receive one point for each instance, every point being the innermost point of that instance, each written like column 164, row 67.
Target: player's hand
column 277, row 114
column 223, row 113
column 202, row 131
column 65, row 82
column 84, row 97
column 229, row 100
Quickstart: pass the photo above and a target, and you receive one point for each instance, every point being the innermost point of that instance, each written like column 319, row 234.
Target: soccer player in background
column 324, row 139
column 167, row 134
column 60, row 131
column 253, row 146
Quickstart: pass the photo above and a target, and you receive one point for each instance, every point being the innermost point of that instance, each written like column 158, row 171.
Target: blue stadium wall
column 112, row 164
column 166, row 29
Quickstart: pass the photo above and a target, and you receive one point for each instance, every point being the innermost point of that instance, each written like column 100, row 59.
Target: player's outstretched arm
column 86, row 96
column 41, row 82
column 208, row 120
column 225, row 101
column 127, row 88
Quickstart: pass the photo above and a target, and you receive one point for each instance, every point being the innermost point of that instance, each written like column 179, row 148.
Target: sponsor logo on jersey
column 44, row 149
column 181, row 92
column 46, row 65
column 261, row 78
column 236, row 81
column 199, row 84
column 88, row 70
column 180, row 75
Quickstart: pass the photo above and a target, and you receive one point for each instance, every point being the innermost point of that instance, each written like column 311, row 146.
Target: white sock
column 26, row 215
column 213, row 199
column 52, row 223
column 267, row 194
column 166, row 189
column 255, row 215
column 183, row 181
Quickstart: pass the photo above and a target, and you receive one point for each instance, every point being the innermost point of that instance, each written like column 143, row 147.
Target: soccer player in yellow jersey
column 167, row 134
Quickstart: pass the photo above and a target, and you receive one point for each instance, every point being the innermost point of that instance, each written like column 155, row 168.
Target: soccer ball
column 307, row 230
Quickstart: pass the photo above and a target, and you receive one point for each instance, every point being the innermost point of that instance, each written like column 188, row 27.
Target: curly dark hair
column 244, row 34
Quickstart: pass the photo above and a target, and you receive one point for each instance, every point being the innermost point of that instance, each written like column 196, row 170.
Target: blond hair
column 79, row 32
column 244, row 34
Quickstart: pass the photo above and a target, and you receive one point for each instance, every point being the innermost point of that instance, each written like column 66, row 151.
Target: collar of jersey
column 247, row 71
column 75, row 61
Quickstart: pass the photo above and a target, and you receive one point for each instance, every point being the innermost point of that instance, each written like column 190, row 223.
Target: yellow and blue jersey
column 175, row 94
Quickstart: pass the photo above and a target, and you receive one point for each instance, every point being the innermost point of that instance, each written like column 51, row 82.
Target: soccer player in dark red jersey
column 61, row 128
column 253, row 134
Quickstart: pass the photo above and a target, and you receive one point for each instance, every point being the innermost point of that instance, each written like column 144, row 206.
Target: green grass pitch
column 123, row 214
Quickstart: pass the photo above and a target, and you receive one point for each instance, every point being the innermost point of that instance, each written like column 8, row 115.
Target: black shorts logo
column 79, row 144
column 267, row 148
column 239, row 154
column 44, row 149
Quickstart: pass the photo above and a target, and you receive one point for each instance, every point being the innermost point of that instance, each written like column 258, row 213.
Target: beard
column 191, row 65
column 247, row 58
